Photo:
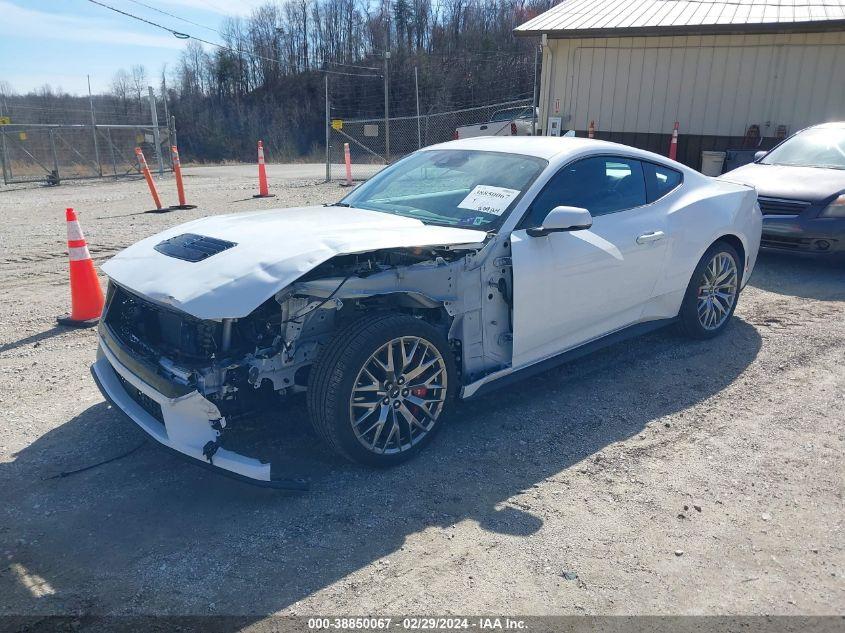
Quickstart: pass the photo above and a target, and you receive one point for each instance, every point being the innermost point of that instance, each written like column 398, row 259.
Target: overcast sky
column 58, row 42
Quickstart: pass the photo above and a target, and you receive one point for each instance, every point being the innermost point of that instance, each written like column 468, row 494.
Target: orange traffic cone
column 263, row 189
column 180, row 187
column 86, row 296
column 673, row 144
column 149, row 178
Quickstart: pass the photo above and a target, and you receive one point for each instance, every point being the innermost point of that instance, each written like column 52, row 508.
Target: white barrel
column 711, row 163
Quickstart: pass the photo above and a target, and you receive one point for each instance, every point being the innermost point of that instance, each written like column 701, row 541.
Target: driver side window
column 600, row 184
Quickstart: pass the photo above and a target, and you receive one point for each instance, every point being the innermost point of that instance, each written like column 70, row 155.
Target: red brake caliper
column 419, row 392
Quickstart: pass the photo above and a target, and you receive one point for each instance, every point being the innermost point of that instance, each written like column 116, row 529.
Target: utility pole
column 417, row 89
column 328, row 123
column 156, row 137
column 387, row 104
column 94, row 129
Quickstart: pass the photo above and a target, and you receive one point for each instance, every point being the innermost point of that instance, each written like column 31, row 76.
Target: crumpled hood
column 783, row 181
column 273, row 249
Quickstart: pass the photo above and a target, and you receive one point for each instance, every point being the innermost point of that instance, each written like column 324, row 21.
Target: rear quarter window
column 660, row 180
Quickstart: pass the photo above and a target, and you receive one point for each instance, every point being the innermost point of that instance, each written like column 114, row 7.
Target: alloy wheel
column 398, row 395
column 717, row 291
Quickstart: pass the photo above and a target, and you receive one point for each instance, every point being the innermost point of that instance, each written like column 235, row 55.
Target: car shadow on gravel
column 795, row 276
column 37, row 338
column 152, row 534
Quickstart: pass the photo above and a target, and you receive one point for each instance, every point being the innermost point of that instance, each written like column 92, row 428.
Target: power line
column 354, row 66
column 214, row 7
column 176, row 17
column 337, row 72
column 186, row 36
column 181, row 36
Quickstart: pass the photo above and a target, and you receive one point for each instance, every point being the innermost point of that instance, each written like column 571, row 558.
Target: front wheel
column 712, row 293
column 378, row 392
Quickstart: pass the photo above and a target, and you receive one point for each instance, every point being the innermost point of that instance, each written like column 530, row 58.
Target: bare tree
column 138, row 83
column 267, row 79
column 120, row 86
column 5, row 91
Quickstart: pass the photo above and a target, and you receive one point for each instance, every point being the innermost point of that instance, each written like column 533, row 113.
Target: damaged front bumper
column 183, row 422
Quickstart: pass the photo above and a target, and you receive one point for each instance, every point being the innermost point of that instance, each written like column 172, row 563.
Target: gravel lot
column 658, row 476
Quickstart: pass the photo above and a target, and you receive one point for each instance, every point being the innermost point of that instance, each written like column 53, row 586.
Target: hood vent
column 192, row 248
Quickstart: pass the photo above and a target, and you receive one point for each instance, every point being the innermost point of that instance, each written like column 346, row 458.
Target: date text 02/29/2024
column 416, row 623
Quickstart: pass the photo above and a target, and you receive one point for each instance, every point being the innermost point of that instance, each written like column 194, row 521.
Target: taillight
column 513, row 128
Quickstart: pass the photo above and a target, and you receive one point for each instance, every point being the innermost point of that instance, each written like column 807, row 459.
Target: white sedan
column 456, row 269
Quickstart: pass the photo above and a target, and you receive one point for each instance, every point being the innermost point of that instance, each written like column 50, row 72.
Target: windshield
column 818, row 147
column 451, row 187
column 508, row 115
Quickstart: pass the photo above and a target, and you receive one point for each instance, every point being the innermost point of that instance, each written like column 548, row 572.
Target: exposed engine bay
column 245, row 365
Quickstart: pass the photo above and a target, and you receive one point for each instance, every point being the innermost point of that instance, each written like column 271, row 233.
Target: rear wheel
column 712, row 292
column 378, row 392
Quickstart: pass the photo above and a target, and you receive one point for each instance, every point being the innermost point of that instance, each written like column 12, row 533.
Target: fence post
column 94, row 129
column 328, row 157
column 386, row 107
column 417, row 88
column 534, row 96
column 56, row 179
column 3, row 146
column 156, row 135
column 170, row 140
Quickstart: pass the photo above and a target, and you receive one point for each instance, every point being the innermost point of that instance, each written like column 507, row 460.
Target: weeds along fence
column 54, row 152
column 370, row 148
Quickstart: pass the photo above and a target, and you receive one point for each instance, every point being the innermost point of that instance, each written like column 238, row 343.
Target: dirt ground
column 659, row 476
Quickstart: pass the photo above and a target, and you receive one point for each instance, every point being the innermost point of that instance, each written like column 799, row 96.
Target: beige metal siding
column 712, row 84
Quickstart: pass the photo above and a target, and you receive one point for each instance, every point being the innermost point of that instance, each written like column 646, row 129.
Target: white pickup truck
column 509, row 122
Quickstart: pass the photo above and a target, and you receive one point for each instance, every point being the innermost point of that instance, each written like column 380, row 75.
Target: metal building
column 732, row 73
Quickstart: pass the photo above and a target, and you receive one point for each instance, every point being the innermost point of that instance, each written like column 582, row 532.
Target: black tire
column 690, row 322
column 334, row 375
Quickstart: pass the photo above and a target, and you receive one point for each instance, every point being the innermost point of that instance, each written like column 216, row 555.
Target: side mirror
column 759, row 155
column 562, row 219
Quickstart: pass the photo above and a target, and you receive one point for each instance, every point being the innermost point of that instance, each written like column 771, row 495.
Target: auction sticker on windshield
column 489, row 199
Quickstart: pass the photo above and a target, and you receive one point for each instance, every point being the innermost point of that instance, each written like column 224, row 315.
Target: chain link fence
column 52, row 153
column 371, row 149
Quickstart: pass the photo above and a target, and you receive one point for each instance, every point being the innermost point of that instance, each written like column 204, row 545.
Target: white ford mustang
column 450, row 272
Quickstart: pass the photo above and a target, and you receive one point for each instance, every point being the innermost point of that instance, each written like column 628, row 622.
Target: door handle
column 653, row 236
column 483, row 127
